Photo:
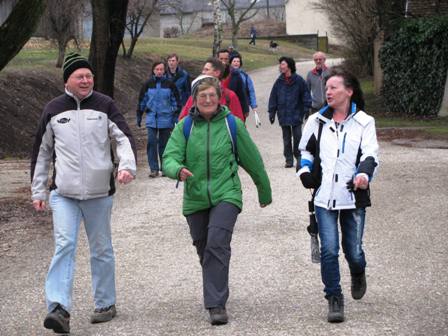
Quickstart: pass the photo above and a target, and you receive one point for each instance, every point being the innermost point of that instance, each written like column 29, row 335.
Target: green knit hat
column 72, row 62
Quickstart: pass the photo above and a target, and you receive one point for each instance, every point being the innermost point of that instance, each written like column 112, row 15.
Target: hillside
column 24, row 93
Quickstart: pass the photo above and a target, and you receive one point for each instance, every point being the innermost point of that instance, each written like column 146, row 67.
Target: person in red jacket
column 213, row 67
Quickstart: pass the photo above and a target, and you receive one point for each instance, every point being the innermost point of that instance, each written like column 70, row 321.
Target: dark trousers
column 211, row 230
column 157, row 140
column 291, row 139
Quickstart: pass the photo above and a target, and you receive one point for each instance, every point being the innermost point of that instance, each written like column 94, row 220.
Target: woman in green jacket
column 202, row 153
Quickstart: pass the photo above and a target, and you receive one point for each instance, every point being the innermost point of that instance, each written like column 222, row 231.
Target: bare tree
column 109, row 20
column 237, row 20
column 358, row 23
column 18, row 28
column 181, row 13
column 63, row 24
column 139, row 13
column 217, row 28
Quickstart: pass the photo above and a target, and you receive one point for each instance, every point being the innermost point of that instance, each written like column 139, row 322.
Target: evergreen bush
column 415, row 64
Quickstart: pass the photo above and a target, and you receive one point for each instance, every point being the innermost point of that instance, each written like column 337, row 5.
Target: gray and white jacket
column 316, row 85
column 76, row 136
column 346, row 149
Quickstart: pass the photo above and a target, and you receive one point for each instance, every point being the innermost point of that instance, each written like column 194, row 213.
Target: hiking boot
column 335, row 309
column 359, row 285
column 153, row 173
column 58, row 320
column 218, row 316
column 289, row 165
column 103, row 314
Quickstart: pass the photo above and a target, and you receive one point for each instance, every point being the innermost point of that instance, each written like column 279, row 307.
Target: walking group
column 196, row 134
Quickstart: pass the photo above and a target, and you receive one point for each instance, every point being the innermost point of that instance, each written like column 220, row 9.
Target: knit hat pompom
column 72, row 62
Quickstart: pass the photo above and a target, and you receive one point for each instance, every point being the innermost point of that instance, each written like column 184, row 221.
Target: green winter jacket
column 208, row 155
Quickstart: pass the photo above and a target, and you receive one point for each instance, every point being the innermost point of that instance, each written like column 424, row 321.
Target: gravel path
column 275, row 289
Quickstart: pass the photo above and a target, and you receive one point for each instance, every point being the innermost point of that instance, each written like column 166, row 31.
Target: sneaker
column 218, row 316
column 336, row 309
column 153, row 173
column 359, row 285
column 58, row 320
column 103, row 314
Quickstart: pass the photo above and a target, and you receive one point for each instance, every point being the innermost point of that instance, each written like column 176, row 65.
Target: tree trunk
column 61, row 53
column 131, row 47
column 109, row 19
column 18, row 28
column 217, row 31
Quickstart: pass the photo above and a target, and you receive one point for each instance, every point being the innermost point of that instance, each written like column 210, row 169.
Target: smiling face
column 284, row 68
column 80, row 83
column 236, row 62
column 338, row 96
column 207, row 102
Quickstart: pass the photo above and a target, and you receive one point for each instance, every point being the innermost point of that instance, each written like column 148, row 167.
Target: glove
column 308, row 180
column 271, row 119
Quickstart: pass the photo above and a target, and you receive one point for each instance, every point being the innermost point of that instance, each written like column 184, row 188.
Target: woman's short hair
column 349, row 81
column 203, row 82
column 156, row 63
column 290, row 61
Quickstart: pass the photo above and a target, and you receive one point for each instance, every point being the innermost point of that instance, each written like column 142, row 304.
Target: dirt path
column 275, row 290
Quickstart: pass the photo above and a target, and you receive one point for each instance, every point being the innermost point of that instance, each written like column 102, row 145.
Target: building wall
column 301, row 18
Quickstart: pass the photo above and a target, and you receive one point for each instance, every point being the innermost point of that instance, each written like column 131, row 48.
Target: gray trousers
column 211, row 230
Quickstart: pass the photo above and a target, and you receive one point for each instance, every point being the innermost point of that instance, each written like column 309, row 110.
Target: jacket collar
column 314, row 71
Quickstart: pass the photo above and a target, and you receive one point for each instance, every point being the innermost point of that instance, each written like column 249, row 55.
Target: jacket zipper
column 208, row 165
column 330, row 202
column 81, row 160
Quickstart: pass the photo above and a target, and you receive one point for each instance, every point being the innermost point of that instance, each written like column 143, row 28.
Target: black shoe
column 153, row 173
column 103, row 314
column 218, row 316
column 359, row 285
column 289, row 165
column 336, row 309
column 58, row 320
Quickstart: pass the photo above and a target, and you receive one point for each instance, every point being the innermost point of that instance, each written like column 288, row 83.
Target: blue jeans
column 67, row 216
column 157, row 140
column 352, row 228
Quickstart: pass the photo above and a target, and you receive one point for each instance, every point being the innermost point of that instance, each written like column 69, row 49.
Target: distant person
column 339, row 159
column 75, row 133
column 206, row 156
column 159, row 99
column 290, row 100
column 180, row 77
column 231, row 51
column 315, row 80
column 215, row 68
column 253, row 35
column 236, row 62
column 233, row 81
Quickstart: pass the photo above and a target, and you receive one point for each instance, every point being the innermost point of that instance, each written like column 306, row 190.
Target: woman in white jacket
column 339, row 159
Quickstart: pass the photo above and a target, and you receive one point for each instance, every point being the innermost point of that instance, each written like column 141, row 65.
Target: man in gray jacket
column 315, row 80
column 75, row 133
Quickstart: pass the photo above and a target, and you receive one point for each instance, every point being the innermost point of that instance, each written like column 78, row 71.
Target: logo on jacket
column 63, row 120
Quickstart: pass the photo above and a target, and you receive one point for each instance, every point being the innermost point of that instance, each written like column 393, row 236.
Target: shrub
column 171, row 32
column 415, row 64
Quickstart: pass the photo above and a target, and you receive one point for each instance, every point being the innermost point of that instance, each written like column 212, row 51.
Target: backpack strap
column 188, row 125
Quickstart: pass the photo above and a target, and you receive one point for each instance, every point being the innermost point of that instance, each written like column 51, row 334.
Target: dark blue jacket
column 236, row 84
column 183, row 83
column 289, row 100
column 159, row 99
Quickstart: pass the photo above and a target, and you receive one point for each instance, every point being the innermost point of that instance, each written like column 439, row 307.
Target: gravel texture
column 274, row 287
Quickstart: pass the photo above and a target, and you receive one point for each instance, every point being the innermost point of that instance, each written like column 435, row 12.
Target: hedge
column 415, row 65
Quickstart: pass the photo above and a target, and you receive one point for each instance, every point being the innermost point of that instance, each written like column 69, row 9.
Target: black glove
column 308, row 180
column 271, row 119
column 350, row 186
